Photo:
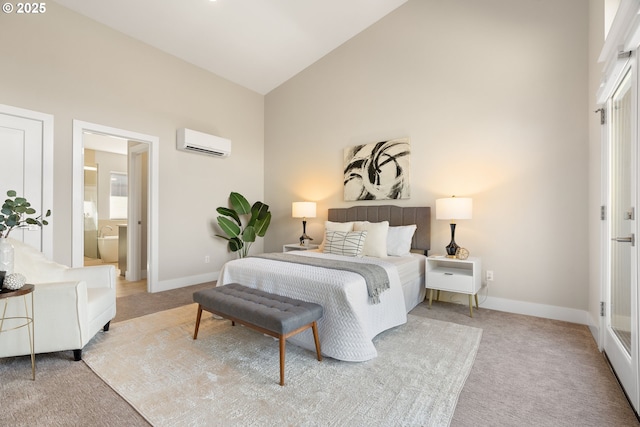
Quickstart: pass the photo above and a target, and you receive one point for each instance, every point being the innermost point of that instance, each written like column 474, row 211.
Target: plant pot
column 6, row 256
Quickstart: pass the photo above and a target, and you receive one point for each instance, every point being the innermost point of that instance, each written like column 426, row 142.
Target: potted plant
column 240, row 236
column 14, row 214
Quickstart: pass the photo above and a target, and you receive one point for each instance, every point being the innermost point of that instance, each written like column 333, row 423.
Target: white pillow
column 399, row 240
column 348, row 243
column 335, row 226
column 376, row 243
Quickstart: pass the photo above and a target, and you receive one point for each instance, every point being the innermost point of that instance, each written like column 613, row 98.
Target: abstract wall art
column 378, row 171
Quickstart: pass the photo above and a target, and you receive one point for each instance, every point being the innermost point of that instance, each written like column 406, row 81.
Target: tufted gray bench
column 274, row 315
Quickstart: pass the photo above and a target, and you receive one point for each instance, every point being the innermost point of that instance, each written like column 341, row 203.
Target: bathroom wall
column 107, row 163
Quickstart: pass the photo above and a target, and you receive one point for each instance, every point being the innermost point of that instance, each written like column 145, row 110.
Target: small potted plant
column 15, row 214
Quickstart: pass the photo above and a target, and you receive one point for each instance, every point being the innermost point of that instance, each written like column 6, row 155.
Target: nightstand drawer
column 451, row 279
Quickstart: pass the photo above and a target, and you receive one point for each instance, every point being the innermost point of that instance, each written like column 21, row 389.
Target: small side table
column 454, row 275
column 297, row 247
column 23, row 292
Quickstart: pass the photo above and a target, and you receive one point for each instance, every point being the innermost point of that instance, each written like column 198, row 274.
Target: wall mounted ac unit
column 203, row 143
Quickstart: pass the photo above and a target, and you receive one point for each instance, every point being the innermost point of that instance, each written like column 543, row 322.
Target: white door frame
column 47, row 167
column 605, row 239
column 77, row 246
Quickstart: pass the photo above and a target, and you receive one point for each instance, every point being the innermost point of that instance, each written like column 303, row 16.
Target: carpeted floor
column 528, row 372
column 232, row 374
column 531, row 371
column 142, row 304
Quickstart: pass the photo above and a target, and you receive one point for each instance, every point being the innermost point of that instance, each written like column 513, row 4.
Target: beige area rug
column 229, row 376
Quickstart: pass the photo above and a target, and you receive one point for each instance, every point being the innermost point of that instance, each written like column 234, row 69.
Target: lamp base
column 304, row 240
column 452, row 247
column 304, row 236
column 451, row 250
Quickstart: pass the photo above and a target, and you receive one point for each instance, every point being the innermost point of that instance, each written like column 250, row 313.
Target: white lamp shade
column 454, row 208
column 303, row 209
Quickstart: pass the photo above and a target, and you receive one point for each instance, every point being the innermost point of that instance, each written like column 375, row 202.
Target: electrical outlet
column 489, row 275
column 207, row 260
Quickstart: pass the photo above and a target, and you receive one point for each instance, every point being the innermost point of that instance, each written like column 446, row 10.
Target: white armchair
column 70, row 304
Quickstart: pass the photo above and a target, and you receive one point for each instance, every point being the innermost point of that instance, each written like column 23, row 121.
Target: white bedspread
column 350, row 320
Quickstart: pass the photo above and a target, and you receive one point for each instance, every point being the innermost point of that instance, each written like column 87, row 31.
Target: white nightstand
column 296, row 247
column 454, row 275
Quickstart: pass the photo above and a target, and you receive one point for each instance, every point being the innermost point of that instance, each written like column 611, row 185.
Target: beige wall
column 73, row 68
column 494, row 96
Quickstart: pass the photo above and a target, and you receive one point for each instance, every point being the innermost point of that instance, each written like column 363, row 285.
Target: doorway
column 137, row 257
column 108, row 197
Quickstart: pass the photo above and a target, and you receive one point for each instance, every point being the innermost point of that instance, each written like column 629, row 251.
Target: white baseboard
column 523, row 307
column 181, row 282
column 595, row 332
column 539, row 310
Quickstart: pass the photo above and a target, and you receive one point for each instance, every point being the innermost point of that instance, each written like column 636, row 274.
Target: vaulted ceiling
column 258, row 44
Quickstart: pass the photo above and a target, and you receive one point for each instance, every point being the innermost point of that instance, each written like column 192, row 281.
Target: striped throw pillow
column 347, row 243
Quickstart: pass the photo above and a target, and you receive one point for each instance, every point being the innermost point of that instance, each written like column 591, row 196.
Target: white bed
column 351, row 320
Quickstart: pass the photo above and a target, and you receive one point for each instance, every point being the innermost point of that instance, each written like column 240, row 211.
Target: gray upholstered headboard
column 396, row 215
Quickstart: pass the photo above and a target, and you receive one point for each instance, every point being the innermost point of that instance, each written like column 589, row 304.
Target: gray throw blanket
column 375, row 277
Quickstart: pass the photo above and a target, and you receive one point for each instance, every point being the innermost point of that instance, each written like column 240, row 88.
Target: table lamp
column 303, row 210
column 453, row 208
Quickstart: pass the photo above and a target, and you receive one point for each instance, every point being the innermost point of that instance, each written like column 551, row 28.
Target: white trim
column 566, row 314
column 604, row 224
column 595, row 332
column 545, row 311
column 622, row 31
column 181, row 282
column 77, row 246
column 624, row 36
column 613, row 74
column 47, row 166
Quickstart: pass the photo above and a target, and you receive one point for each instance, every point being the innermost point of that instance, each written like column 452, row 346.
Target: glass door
column 621, row 338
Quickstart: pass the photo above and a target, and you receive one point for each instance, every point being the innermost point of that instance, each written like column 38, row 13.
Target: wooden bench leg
column 283, row 341
column 195, row 333
column 314, row 327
